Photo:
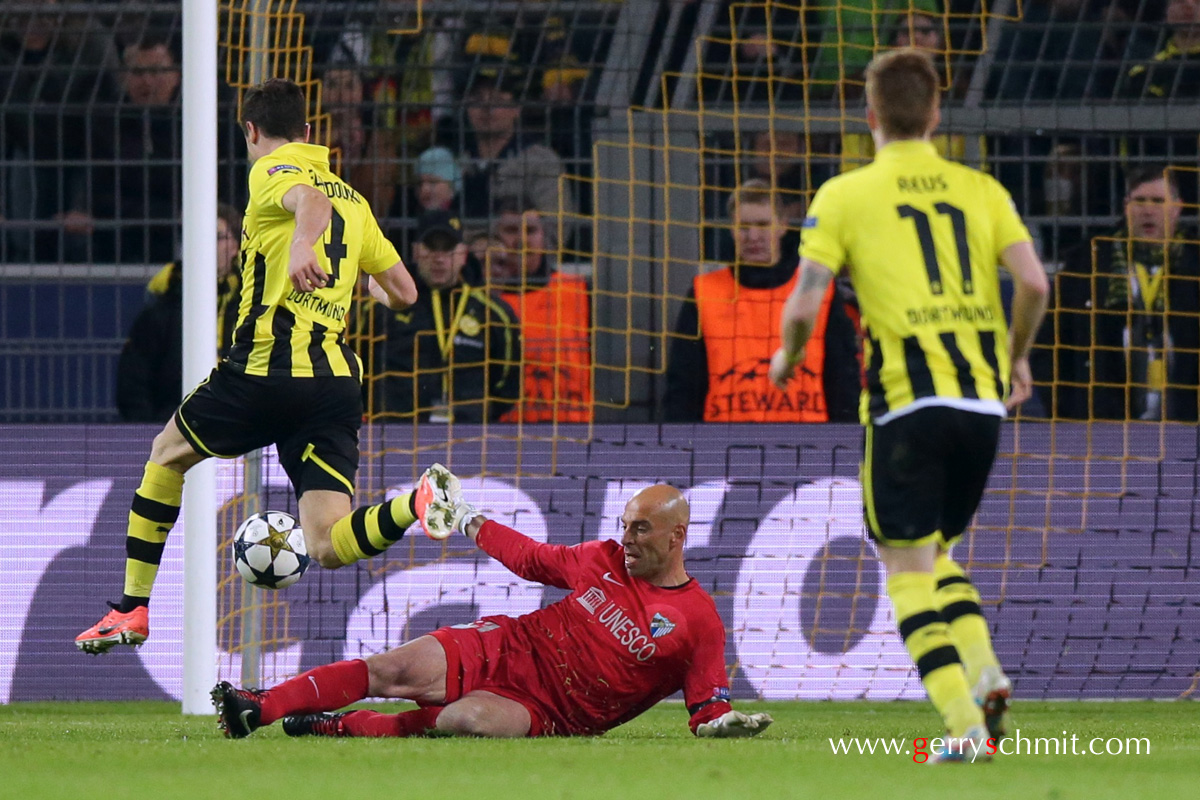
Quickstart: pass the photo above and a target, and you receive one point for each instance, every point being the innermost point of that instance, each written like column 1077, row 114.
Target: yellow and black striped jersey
column 281, row 331
column 922, row 237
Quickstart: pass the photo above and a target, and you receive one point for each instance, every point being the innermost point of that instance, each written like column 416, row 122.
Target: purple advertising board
column 1083, row 552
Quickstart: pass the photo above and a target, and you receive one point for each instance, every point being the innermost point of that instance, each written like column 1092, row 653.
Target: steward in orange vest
column 554, row 310
column 554, row 314
column 729, row 327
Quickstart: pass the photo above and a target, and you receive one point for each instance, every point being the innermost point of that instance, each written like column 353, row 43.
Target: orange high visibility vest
column 740, row 327
column 556, row 346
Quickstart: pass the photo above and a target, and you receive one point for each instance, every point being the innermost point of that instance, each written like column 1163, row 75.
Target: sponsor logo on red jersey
column 592, row 599
column 623, row 628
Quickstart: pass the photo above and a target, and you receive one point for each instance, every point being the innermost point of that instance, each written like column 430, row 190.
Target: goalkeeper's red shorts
column 475, row 655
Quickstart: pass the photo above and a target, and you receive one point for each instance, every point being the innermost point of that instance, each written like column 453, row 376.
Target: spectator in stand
column 150, row 371
column 483, row 248
column 780, row 158
column 554, row 310
column 51, row 69
column 138, row 174
column 1060, row 50
column 1167, row 68
column 764, row 64
column 848, row 32
column 499, row 160
column 1128, row 313
column 564, row 80
column 439, row 188
column 563, row 76
column 455, row 354
column 408, row 88
column 439, row 180
column 921, row 31
column 482, row 245
column 342, row 98
column 1173, row 70
column 729, row 326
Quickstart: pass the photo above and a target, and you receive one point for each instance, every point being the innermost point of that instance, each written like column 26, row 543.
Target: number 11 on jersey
column 929, row 251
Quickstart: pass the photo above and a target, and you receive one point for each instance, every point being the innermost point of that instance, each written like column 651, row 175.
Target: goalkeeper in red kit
column 634, row 630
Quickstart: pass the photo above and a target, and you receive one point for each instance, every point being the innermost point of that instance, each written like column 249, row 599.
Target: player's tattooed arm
column 799, row 317
column 814, row 278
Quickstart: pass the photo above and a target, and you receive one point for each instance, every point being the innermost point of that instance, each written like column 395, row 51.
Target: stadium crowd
column 483, row 122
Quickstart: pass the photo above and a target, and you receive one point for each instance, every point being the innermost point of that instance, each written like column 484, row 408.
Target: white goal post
column 199, row 94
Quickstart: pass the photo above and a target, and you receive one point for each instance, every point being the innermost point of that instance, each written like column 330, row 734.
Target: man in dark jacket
column 54, row 70
column 453, row 355
column 138, row 147
column 1128, row 313
column 150, row 372
column 1171, row 68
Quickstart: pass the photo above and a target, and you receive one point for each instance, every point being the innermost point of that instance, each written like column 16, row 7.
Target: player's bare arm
column 1031, row 289
column 394, row 287
column 313, row 211
column 799, row 316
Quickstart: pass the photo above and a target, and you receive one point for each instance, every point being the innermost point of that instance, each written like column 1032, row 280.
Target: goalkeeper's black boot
column 321, row 724
column 238, row 710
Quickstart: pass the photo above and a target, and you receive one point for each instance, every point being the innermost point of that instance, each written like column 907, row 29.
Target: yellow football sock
column 927, row 638
column 958, row 602
column 370, row 530
column 152, row 514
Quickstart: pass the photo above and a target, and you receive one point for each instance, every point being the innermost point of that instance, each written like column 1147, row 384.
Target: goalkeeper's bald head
column 655, row 525
column 667, row 502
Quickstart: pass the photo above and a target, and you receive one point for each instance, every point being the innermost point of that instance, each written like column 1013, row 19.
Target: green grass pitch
column 148, row 751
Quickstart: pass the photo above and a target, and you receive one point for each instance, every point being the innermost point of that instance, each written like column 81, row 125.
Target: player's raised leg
column 152, row 514
column 337, row 536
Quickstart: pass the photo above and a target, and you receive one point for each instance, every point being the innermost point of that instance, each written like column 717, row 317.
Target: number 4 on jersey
column 335, row 247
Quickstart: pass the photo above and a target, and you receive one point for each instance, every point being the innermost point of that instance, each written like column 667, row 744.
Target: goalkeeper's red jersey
column 612, row 648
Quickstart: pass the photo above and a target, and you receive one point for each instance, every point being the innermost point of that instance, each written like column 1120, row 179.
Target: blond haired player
column 922, row 238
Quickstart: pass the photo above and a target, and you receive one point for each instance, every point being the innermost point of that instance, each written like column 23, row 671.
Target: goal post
column 199, row 96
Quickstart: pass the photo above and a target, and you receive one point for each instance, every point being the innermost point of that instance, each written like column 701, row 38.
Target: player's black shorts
column 313, row 422
column 923, row 474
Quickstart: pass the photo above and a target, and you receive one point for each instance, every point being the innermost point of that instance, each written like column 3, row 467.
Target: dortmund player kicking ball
column 290, row 378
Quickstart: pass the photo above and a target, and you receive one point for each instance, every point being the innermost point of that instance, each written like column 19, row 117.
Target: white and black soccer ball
column 269, row 550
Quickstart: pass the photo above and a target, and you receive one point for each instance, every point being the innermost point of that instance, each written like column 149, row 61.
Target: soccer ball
column 269, row 550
